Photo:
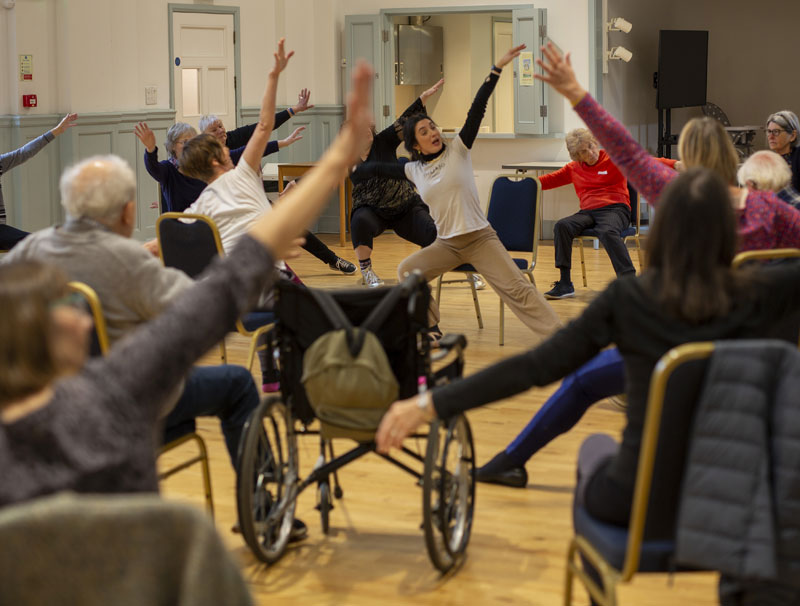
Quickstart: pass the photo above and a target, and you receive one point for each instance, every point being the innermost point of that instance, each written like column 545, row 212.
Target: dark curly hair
column 410, row 133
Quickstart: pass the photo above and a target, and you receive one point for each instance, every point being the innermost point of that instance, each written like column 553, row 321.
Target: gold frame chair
column 764, row 255
column 635, row 236
column 96, row 308
column 537, row 222
column 253, row 335
column 610, row 576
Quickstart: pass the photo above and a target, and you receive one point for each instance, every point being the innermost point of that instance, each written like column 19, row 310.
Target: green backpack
column 346, row 374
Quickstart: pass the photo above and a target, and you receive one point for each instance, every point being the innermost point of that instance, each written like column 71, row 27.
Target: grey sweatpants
column 487, row 254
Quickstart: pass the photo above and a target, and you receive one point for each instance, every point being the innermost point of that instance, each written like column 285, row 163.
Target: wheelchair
column 268, row 481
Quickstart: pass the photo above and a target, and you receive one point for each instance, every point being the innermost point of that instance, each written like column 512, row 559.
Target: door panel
column 204, row 67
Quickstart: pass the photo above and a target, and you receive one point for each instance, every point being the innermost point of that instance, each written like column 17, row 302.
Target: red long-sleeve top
column 596, row 185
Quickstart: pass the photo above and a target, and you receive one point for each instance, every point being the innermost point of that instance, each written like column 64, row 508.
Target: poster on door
column 526, row 69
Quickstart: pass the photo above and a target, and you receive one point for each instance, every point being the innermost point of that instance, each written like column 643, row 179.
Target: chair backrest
column 514, row 212
column 99, row 341
column 764, row 255
column 188, row 246
column 96, row 550
column 712, row 110
column 676, row 382
column 300, row 321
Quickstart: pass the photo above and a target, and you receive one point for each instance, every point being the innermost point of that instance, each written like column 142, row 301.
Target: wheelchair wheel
column 266, row 485
column 324, row 505
column 448, row 491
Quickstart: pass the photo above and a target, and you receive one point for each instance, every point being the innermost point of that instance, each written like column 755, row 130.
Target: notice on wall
column 26, row 67
column 526, row 69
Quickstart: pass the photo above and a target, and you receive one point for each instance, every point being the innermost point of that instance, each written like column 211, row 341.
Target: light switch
column 150, row 95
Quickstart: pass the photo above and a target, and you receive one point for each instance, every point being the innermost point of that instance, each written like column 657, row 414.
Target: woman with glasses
column 783, row 128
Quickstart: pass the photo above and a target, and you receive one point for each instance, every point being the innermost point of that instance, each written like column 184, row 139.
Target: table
column 290, row 171
column 537, row 165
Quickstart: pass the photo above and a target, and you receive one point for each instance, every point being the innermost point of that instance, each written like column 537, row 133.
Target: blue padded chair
column 647, row 544
column 190, row 247
column 173, row 436
column 632, row 231
column 515, row 214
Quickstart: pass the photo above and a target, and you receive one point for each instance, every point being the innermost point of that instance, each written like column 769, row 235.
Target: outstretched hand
column 356, row 134
column 67, row 121
column 431, row 91
column 302, row 101
column 400, row 421
column 295, row 136
column 145, row 135
column 512, row 54
column 281, row 58
column 559, row 74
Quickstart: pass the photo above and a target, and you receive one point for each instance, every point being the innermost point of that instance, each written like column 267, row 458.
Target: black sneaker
column 343, row 266
column 560, row 290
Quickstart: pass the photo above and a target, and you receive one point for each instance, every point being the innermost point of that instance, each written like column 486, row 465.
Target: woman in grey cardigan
column 9, row 236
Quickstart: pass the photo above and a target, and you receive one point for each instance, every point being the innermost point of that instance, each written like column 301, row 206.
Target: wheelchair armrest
column 447, row 344
column 451, row 341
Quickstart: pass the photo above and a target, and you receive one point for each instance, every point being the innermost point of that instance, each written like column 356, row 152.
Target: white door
column 204, row 67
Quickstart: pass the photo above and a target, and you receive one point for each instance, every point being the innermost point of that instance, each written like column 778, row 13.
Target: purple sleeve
column 646, row 174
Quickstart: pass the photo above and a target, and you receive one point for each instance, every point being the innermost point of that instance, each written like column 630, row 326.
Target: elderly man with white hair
column 94, row 246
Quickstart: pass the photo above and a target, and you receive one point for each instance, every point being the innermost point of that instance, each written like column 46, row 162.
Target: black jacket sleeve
column 475, row 114
column 389, row 138
column 238, row 137
column 367, row 170
column 562, row 353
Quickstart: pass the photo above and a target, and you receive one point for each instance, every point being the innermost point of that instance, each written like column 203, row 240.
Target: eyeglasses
column 774, row 132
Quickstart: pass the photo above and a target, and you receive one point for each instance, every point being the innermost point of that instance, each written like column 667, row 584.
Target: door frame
column 210, row 9
column 386, row 15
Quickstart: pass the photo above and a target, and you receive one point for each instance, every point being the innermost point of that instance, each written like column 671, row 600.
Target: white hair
column 766, row 170
column 175, row 132
column 97, row 188
column 206, row 121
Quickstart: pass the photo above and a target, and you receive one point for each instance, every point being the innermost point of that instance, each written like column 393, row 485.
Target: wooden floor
column 375, row 552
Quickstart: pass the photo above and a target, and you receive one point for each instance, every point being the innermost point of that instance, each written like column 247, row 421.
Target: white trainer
column 370, row 278
column 479, row 283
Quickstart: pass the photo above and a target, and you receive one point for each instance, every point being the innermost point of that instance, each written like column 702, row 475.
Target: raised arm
column 14, row 158
column 469, row 131
column 646, row 174
column 254, row 150
column 151, row 163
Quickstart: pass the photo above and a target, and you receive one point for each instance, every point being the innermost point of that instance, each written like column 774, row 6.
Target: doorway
column 204, row 66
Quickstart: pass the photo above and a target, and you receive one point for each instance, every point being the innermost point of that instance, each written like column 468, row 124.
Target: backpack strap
column 339, row 321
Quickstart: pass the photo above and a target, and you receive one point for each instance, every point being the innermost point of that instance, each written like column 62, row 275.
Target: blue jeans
column 224, row 391
column 600, row 377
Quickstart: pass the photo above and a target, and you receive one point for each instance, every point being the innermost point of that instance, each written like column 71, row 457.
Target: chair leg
column 475, row 300
column 223, row 353
column 502, row 322
column 439, row 290
column 640, row 253
column 206, row 474
column 583, row 263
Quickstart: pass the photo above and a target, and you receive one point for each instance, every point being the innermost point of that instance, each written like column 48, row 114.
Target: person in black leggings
column 380, row 204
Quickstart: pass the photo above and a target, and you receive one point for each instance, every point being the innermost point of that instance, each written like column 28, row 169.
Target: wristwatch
column 425, row 404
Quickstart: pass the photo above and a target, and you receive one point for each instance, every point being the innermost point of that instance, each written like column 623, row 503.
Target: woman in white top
column 443, row 176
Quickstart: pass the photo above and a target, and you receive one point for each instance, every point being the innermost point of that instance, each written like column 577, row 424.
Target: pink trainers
column 271, row 387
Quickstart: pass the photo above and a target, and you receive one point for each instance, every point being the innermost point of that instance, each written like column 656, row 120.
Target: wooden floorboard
column 375, row 553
